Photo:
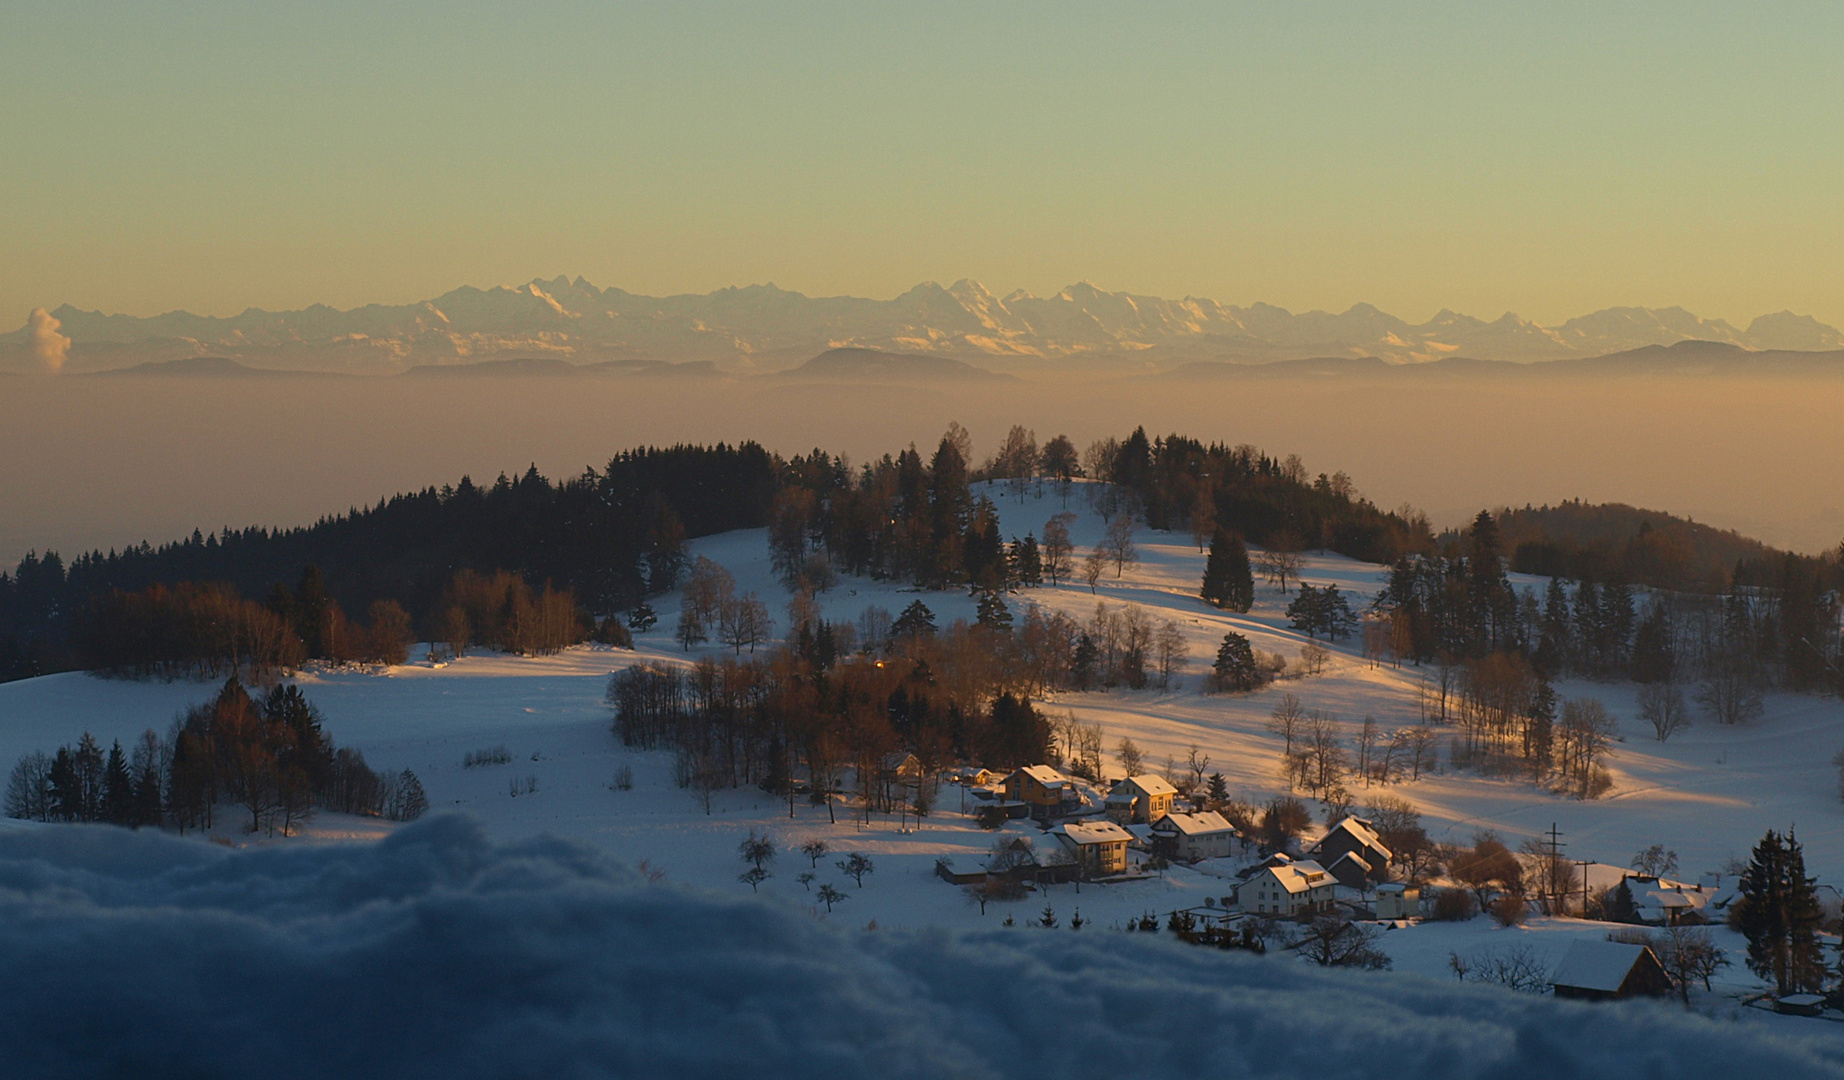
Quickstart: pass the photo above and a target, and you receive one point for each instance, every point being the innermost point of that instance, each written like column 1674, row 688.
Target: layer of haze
column 1550, row 159
column 100, row 463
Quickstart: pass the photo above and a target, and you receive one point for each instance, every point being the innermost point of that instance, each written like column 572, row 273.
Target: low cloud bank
column 48, row 346
column 438, row 953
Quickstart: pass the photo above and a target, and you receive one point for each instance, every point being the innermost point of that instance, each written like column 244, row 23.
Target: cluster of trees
column 833, row 697
column 1777, row 624
column 1179, row 482
column 206, row 631
column 783, row 723
column 612, row 538
column 1777, row 909
column 268, row 757
column 1322, row 611
column 709, row 607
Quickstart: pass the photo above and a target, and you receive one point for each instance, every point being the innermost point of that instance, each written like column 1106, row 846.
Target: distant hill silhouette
column 875, row 365
column 207, row 367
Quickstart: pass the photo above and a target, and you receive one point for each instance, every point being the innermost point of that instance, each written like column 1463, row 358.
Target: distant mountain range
column 762, row 329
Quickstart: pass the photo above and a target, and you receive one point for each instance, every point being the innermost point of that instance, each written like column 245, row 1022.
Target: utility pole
column 1551, row 884
column 1583, row 863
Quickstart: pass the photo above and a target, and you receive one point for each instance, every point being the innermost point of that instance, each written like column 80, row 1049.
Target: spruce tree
column 1235, row 667
column 993, row 614
column 118, row 802
column 1307, row 611
column 1779, row 913
column 1228, row 581
column 1027, row 562
column 1082, row 664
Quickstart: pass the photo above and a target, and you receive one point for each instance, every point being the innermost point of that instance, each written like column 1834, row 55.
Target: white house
column 1141, row 799
column 1663, row 902
column 1207, row 835
column 1302, row 887
column 1100, row 847
column 1398, row 901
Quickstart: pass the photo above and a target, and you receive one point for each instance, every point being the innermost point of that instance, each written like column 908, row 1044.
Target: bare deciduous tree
column 1662, row 705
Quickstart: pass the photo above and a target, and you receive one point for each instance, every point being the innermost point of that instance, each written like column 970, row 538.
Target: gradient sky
column 1548, row 158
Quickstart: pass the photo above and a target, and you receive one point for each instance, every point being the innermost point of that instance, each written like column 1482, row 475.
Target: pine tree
column 1228, row 581
column 1778, row 912
column 1082, row 664
column 88, row 762
column 410, row 802
column 66, row 789
column 1306, row 612
column 1027, row 562
column 118, row 802
column 1553, row 636
column 1235, row 667
column 916, row 621
column 1653, row 661
column 993, row 614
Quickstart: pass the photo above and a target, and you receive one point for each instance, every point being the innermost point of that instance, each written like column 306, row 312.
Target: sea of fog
column 104, row 462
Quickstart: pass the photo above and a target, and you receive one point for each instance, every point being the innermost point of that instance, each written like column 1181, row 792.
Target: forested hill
column 1601, row 542
column 601, row 543
column 606, row 535
column 611, row 539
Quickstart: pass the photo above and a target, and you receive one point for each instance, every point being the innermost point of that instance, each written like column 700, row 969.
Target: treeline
column 269, row 758
column 208, row 631
column 1611, row 541
column 1781, row 631
column 1180, row 483
column 610, row 538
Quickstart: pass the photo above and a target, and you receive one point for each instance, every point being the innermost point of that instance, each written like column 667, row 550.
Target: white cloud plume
column 437, row 953
column 42, row 337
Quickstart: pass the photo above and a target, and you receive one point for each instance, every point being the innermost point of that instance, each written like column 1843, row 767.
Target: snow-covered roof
column 1045, row 775
column 1301, row 876
column 1094, row 832
column 1147, row 783
column 1200, row 824
column 1351, row 857
column 1596, row 965
column 1361, row 831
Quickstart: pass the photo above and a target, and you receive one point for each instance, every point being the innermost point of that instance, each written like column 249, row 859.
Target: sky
column 1546, row 159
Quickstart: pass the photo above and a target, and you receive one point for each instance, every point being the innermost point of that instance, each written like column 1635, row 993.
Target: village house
column 1287, row 890
column 1603, row 970
column 1662, row 902
column 1356, row 837
column 1206, row 835
column 1100, row 847
column 1045, row 791
column 1352, row 872
column 1140, row 800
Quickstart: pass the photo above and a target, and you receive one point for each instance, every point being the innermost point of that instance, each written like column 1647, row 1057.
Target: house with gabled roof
column 1047, row 792
column 1663, row 902
column 1099, row 847
column 1140, row 800
column 1205, row 835
column 1357, row 837
column 1604, row 970
column 1287, row 890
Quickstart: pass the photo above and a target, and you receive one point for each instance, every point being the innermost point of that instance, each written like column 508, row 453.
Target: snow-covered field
column 1708, row 794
